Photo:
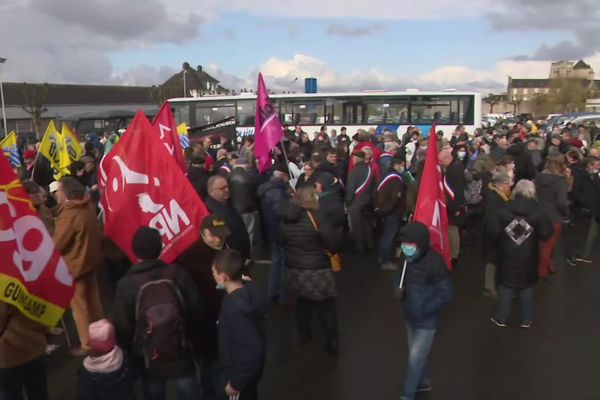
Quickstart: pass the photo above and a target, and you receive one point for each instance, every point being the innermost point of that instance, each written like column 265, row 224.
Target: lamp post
column 2, row 61
column 184, row 84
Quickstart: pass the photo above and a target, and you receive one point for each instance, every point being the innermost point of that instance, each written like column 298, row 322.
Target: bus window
column 306, row 113
column 246, row 112
column 213, row 113
column 334, row 111
column 466, row 110
column 396, row 113
column 181, row 111
column 427, row 110
column 376, row 113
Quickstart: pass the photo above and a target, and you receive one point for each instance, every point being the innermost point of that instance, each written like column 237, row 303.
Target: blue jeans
column 419, row 347
column 391, row 224
column 277, row 275
column 506, row 296
column 30, row 377
column 186, row 388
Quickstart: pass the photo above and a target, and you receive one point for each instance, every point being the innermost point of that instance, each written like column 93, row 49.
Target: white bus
column 381, row 110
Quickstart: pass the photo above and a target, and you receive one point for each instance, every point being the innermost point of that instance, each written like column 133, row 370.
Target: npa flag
column 164, row 122
column 10, row 150
column 184, row 139
column 71, row 146
column 142, row 186
column 268, row 131
column 431, row 202
column 33, row 275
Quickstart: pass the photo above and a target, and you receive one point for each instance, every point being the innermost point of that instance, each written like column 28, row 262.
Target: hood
column 250, row 301
column 546, row 180
column 74, row 204
column 273, row 183
column 418, row 233
column 522, row 206
column 145, row 265
column 290, row 212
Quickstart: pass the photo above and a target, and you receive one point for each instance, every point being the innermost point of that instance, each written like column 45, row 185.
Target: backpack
column 160, row 329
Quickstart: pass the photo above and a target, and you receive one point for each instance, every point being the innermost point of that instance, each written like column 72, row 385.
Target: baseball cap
column 216, row 225
column 53, row 187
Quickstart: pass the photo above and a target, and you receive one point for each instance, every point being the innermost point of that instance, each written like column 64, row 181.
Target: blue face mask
column 410, row 250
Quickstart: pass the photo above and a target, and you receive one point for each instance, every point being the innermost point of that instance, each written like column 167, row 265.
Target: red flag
column 142, row 186
column 431, row 202
column 268, row 131
column 165, row 125
column 33, row 275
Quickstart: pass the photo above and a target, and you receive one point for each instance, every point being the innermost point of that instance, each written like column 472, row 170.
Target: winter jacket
column 239, row 238
column 586, row 192
column 391, row 194
column 21, row 339
column 492, row 203
column 456, row 180
column 518, row 229
column 524, row 167
column 273, row 194
column 116, row 385
column 78, row 237
column 304, row 246
column 360, row 186
column 552, row 193
column 198, row 177
column 242, row 189
column 124, row 308
column 242, row 343
column 428, row 284
column 331, row 206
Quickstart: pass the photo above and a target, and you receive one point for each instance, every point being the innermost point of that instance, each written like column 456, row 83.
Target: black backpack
column 160, row 325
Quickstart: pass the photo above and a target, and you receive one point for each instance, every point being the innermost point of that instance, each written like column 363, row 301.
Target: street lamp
column 184, row 84
column 2, row 61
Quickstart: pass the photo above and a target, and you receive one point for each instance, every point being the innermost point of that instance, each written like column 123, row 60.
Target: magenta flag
column 268, row 131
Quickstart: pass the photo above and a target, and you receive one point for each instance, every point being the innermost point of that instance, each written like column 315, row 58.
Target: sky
column 348, row 45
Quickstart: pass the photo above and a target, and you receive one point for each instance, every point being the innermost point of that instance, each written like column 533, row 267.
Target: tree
column 35, row 96
column 541, row 104
column 492, row 100
column 569, row 94
column 516, row 102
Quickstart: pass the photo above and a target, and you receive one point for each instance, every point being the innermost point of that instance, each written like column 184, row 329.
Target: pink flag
column 164, row 123
column 268, row 131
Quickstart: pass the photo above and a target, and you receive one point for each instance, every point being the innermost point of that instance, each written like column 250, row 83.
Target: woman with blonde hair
column 308, row 240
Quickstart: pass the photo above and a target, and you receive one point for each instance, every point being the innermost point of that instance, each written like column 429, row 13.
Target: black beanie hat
column 146, row 243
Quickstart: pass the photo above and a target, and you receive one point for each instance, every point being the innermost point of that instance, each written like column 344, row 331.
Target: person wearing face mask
column 428, row 289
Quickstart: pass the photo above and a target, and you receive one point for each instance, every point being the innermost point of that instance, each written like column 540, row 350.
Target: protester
column 455, row 185
column 518, row 229
column 242, row 342
column 79, row 239
column 331, row 203
column 243, row 188
column 428, row 288
column 38, row 197
column 359, row 201
column 198, row 176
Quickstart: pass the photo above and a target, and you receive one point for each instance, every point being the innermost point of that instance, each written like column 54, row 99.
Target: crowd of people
column 199, row 324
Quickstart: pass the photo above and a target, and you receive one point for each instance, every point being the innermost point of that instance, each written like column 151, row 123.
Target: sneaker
column 425, row 387
column 498, row 322
column 584, row 260
column 526, row 325
column 571, row 261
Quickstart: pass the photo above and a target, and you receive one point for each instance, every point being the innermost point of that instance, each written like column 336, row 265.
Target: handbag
column 334, row 258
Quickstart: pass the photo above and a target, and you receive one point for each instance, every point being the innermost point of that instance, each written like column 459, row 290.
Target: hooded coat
column 428, row 284
column 242, row 343
column 552, row 192
column 518, row 229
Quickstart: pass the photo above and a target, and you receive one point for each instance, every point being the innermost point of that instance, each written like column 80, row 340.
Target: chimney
column 185, row 66
column 199, row 69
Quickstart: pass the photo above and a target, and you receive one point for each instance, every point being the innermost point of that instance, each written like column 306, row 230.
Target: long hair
column 555, row 165
column 306, row 197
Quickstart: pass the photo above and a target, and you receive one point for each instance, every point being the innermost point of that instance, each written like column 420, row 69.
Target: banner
column 53, row 147
column 184, row 139
column 71, row 145
column 10, row 150
column 431, row 202
column 164, row 123
column 33, row 275
column 268, row 130
column 142, row 186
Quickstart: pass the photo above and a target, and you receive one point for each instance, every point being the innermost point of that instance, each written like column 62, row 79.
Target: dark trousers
column 30, row 377
column 361, row 223
column 327, row 314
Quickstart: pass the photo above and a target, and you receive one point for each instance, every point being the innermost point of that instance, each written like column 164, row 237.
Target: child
column 105, row 373
column 242, row 347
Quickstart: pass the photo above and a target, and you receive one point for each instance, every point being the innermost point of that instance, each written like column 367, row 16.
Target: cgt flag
column 164, row 122
column 268, row 131
column 10, row 150
column 431, row 202
column 33, row 275
column 142, row 186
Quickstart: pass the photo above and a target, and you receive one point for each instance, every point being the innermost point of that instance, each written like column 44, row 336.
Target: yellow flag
column 54, row 149
column 72, row 146
column 9, row 147
column 184, row 139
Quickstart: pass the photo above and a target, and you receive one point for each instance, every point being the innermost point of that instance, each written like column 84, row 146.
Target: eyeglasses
column 223, row 188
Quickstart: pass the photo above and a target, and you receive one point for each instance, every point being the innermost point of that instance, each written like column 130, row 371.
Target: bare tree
column 516, row 102
column 492, row 100
column 36, row 96
column 569, row 94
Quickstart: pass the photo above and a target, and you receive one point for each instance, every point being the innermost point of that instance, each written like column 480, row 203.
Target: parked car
column 574, row 118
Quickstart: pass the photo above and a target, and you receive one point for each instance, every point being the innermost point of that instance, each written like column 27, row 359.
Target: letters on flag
column 10, row 150
column 431, row 202
column 33, row 275
column 164, row 122
column 268, row 130
column 142, row 186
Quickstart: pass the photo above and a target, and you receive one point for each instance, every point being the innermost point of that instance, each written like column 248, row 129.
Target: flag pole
column 287, row 162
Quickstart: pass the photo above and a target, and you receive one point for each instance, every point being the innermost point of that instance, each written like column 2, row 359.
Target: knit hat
column 101, row 336
column 326, row 180
column 146, row 243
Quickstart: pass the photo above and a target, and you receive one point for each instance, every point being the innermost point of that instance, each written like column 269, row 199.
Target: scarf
column 505, row 197
column 110, row 362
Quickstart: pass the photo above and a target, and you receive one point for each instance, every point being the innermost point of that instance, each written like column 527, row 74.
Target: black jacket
column 552, row 192
column 586, row 192
column 524, row 166
column 428, row 284
column 124, row 313
column 242, row 344
column 116, row 385
column 331, row 206
column 304, row 246
column 239, row 238
column 273, row 194
column 518, row 229
column 242, row 188
column 391, row 194
column 455, row 178
column 492, row 203
column 198, row 177
column 360, row 186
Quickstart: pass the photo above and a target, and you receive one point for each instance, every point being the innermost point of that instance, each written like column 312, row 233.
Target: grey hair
column 524, row 188
column 499, row 178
